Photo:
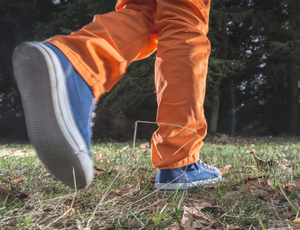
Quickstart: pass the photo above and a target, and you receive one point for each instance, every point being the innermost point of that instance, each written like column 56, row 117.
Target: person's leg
column 181, row 67
column 102, row 50
column 60, row 79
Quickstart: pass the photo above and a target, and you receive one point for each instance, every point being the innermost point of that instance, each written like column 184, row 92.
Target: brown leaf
column 197, row 213
column 20, row 153
column 17, row 180
column 252, row 177
column 152, row 181
column 144, row 145
column 234, row 227
column 287, row 214
column 292, row 186
column 297, row 221
column 4, row 191
column 72, row 207
column 200, row 224
column 204, row 205
column 296, row 226
column 68, row 202
column 6, row 157
column 12, row 193
column 187, row 220
column 225, row 170
column 174, row 226
column 258, row 184
column 140, row 178
column 127, row 191
column 161, row 204
column 98, row 171
column 288, row 187
column 261, row 163
column 100, row 159
column 298, row 155
column 158, row 204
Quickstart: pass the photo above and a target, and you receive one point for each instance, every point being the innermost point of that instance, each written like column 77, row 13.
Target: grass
column 105, row 204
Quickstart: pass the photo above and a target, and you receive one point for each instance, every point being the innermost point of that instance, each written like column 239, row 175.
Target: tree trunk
column 215, row 92
column 294, row 73
column 214, row 109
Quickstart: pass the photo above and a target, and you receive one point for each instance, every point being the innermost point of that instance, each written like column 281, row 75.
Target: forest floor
column 261, row 189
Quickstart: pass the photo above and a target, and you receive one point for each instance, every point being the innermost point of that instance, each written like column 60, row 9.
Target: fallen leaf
column 253, row 177
column 255, row 169
column 125, row 148
column 152, row 181
column 4, row 191
column 204, row 205
column 17, row 180
column 98, row 171
column 225, row 170
column 297, row 221
column 257, row 184
column 187, row 220
column 158, row 204
column 12, row 193
column 129, row 190
column 174, row 226
column 71, row 207
column 198, row 213
column 20, row 153
column 80, row 226
column 234, row 227
column 144, row 145
column 100, row 159
column 200, row 224
column 259, row 162
column 288, row 187
column 292, row 186
column 287, row 214
column 296, row 226
column 140, row 178
column 6, row 157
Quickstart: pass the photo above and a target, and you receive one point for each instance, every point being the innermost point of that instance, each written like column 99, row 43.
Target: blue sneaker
column 58, row 107
column 186, row 177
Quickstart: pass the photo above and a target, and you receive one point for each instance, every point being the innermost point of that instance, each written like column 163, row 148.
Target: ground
column 260, row 190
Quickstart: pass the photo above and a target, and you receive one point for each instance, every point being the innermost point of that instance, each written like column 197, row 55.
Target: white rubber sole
column 49, row 120
column 172, row 187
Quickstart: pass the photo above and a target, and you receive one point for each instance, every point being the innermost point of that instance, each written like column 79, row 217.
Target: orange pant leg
column 102, row 50
column 181, row 67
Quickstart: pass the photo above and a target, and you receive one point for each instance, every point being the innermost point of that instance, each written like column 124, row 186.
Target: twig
column 75, row 193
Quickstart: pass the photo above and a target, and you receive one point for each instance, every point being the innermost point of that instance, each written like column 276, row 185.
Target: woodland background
column 253, row 78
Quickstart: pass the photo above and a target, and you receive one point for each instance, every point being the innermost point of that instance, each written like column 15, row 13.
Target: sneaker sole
column 172, row 187
column 50, row 124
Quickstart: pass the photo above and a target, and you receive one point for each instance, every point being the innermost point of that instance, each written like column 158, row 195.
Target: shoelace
column 189, row 167
column 93, row 116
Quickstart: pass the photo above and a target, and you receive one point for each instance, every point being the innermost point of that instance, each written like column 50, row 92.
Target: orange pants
column 102, row 50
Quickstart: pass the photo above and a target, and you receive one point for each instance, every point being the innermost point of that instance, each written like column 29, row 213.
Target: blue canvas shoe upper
column 186, row 177
column 58, row 107
column 80, row 97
